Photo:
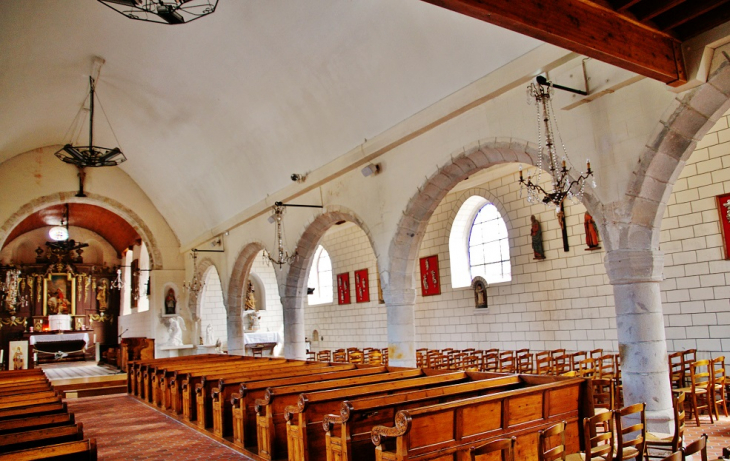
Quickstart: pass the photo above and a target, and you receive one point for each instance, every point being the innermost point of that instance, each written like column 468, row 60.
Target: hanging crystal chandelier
column 282, row 256
column 562, row 185
column 194, row 285
column 163, row 11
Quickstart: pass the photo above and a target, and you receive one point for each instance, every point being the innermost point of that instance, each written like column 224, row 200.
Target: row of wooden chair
column 367, row 355
column 704, row 382
column 629, row 439
column 593, row 363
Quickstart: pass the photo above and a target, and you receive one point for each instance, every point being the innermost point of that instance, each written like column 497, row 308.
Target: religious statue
column 250, row 298
column 18, row 359
column 536, row 233
column 176, row 327
column 480, row 292
column 591, row 233
column 209, row 335
column 101, row 295
column 170, row 302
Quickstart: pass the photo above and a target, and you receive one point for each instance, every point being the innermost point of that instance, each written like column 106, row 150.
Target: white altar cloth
column 261, row 337
column 60, row 337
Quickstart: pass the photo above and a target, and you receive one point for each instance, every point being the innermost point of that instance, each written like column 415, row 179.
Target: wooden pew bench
column 84, row 450
column 41, row 437
column 35, row 398
column 36, row 422
column 348, row 431
column 182, row 385
column 134, row 368
column 158, row 375
column 446, row 431
column 34, row 410
column 271, row 425
column 234, row 414
column 142, row 368
column 305, row 438
column 206, row 387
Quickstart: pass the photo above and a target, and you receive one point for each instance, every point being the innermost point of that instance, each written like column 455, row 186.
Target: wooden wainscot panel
column 562, row 401
column 483, row 418
column 427, row 431
column 526, row 408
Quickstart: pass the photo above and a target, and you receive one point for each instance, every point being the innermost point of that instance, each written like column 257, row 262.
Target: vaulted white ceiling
column 207, row 113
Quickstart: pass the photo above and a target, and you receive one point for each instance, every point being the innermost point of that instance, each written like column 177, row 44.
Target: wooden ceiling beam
column 686, row 13
column 586, row 28
column 623, row 5
column 645, row 12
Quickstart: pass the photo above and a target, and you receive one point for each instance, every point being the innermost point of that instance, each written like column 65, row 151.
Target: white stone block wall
column 212, row 309
column 696, row 291
column 564, row 301
column 355, row 324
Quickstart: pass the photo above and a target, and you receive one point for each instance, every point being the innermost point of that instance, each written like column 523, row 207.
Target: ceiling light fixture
column 371, row 169
column 277, row 217
column 563, row 186
column 163, row 11
column 91, row 155
column 194, row 285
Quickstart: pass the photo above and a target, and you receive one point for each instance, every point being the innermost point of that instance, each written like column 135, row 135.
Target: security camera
column 298, row 177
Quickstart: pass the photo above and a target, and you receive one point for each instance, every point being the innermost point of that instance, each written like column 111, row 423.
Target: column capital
column 634, row 266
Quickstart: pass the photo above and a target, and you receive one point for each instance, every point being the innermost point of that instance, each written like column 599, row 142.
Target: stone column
column 401, row 327
column 635, row 276
column 235, row 333
column 294, row 345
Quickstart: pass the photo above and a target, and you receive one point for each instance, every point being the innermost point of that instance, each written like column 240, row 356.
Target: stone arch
column 412, row 225
column 398, row 280
column 637, row 218
column 92, row 199
column 239, row 276
column 295, row 289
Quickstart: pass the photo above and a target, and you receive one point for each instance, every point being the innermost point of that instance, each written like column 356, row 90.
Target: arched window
column 320, row 278
column 489, row 246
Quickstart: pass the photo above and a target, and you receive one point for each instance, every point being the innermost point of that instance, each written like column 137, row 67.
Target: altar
column 259, row 342
column 71, row 346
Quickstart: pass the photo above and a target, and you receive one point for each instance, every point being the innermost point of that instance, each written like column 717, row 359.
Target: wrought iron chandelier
column 277, row 217
column 91, row 155
column 282, row 256
column 163, row 11
column 563, row 186
column 194, row 285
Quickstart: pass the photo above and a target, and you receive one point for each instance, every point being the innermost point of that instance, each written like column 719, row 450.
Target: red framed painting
column 362, row 289
column 430, row 281
column 343, row 288
column 723, row 209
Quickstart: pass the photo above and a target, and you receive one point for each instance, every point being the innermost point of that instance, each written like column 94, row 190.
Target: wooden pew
column 28, row 399
column 36, row 422
column 34, row 410
column 136, row 370
column 189, row 402
column 29, row 389
column 41, row 437
column 445, row 431
column 157, row 374
column 153, row 372
column 348, row 431
column 271, row 426
column 304, row 420
column 182, row 386
column 84, row 450
column 236, row 415
column 207, row 388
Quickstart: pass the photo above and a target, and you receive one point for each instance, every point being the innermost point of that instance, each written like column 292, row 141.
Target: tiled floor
column 126, row 429
column 718, row 434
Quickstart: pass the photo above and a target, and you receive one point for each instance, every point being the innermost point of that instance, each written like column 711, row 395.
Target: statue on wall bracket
column 591, row 233
column 479, row 285
column 536, row 233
